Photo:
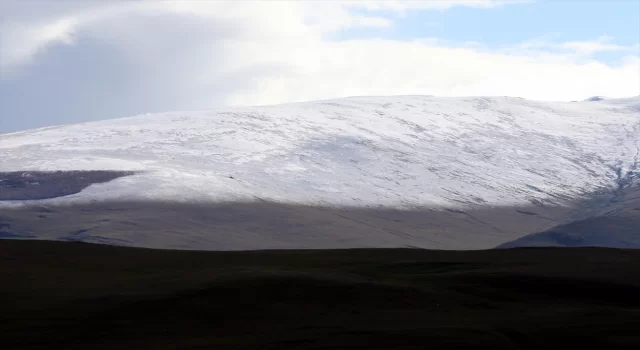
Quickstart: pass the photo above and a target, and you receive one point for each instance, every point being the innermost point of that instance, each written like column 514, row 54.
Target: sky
column 66, row 62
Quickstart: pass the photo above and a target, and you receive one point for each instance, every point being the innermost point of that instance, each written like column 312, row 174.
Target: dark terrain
column 72, row 295
column 29, row 185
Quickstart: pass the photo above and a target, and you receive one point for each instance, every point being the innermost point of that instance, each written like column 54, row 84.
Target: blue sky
column 510, row 25
column 73, row 61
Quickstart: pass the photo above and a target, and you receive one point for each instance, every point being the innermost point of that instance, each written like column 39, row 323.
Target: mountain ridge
column 405, row 152
column 416, row 154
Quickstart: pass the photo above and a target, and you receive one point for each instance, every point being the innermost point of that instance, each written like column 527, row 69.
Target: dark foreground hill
column 71, row 295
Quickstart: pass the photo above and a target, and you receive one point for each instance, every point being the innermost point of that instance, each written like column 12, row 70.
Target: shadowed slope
column 30, row 185
column 607, row 220
column 268, row 225
column 617, row 226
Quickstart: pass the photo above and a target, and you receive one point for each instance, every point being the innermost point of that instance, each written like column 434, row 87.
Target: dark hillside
column 82, row 296
column 617, row 226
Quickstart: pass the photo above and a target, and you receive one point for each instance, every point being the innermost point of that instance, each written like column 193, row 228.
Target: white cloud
column 588, row 48
column 20, row 42
column 583, row 48
column 381, row 67
column 404, row 5
column 274, row 52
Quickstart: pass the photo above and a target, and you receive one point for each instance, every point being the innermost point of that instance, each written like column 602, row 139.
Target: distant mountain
column 617, row 226
column 547, row 163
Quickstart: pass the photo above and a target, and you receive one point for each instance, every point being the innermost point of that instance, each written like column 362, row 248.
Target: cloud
column 21, row 42
column 601, row 44
column 580, row 48
column 144, row 56
column 402, row 6
column 382, row 67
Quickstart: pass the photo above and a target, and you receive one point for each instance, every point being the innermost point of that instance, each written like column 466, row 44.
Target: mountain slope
column 397, row 151
column 269, row 225
column 457, row 156
column 617, row 226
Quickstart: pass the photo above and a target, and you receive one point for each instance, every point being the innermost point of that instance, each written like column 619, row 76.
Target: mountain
column 449, row 173
column 617, row 226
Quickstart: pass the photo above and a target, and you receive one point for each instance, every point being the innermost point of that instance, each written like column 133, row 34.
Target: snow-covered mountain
column 469, row 173
column 363, row 151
